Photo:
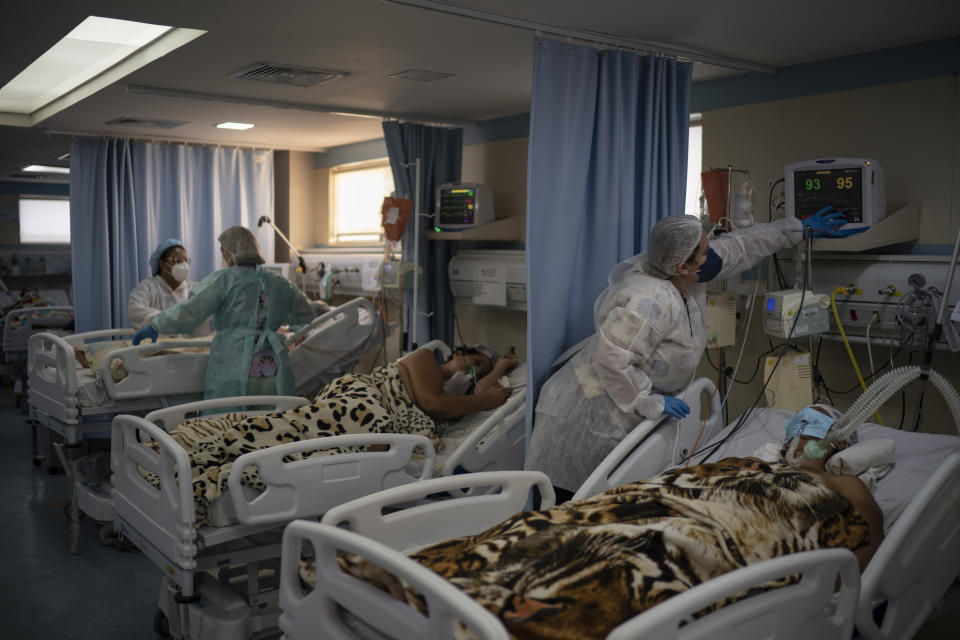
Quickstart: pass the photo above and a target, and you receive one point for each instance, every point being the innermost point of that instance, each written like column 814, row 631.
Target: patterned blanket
column 351, row 404
column 578, row 570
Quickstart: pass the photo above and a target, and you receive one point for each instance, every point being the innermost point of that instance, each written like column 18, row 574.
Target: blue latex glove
column 147, row 332
column 824, row 224
column 675, row 407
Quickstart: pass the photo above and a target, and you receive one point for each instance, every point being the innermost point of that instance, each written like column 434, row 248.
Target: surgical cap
column 242, row 246
column 672, row 240
column 487, row 351
column 158, row 252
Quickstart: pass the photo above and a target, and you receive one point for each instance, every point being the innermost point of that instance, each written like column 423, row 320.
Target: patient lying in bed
column 408, row 396
column 580, row 569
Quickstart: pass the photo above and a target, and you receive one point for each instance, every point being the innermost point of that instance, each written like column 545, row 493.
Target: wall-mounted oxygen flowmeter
column 854, row 186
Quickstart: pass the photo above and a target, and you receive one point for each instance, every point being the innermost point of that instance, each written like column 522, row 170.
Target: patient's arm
column 857, row 493
column 424, row 380
column 504, row 364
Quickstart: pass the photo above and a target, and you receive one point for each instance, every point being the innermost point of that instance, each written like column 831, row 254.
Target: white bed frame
column 912, row 569
column 19, row 326
column 335, row 348
column 161, row 522
column 655, row 444
column 382, row 526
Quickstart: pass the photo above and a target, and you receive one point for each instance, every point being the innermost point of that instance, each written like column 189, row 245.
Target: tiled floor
column 47, row 592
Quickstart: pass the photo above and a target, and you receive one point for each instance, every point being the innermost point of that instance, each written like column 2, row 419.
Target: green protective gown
column 232, row 296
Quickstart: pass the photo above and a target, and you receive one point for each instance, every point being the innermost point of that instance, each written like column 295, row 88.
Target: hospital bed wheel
column 161, row 625
column 106, row 535
column 37, row 462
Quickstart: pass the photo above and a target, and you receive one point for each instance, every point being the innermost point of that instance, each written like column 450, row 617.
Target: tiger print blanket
column 578, row 570
column 351, row 404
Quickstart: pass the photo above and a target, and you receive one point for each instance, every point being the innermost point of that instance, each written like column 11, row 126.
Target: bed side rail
column 348, row 311
column 52, row 366
column 173, row 374
column 505, row 451
column 310, row 486
column 402, row 520
column 917, row 561
column 794, row 612
column 315, row 613
column 80, row 339
column 649, row 448
column 169, row 509
column 21, row 323
column 170, row 417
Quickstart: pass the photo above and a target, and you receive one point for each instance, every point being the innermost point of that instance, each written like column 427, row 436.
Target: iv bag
column 394, row 215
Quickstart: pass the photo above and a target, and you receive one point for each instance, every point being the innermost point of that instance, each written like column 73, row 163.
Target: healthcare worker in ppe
column 248, row 304
column 651, row 331
column 167, row 286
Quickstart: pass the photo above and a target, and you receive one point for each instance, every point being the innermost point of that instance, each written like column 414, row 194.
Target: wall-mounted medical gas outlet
column 721, row 319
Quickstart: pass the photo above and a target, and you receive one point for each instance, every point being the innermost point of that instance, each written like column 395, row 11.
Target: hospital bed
column 76, row 402
column 918, row 560
column 161, row 521
column 332, row 344
column 385, row 526
column 18, row 326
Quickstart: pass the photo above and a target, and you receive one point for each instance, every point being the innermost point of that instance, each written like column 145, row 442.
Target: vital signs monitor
column 854, row 186
column 462, row 205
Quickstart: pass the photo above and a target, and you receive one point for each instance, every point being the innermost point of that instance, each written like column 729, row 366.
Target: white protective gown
column 649, row 341
column 153, row 295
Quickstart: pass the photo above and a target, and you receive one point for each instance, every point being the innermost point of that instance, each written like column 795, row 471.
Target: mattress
column 917, row 455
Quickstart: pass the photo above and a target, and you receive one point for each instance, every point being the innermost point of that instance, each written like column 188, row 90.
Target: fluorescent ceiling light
column 42, row 168
column 98, row 52
column 239, row 126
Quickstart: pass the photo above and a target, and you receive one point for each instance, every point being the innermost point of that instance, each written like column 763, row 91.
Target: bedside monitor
column 852, row 185
column 462, row 205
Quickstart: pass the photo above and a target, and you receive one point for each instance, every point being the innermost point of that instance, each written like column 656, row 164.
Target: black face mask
column 709, row 270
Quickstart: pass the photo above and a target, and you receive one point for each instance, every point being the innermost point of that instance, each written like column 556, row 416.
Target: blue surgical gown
column 232, row 297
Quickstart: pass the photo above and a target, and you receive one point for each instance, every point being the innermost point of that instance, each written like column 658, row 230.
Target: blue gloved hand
column 824, row 224
column 147, row 332
column 675, row 407
column 844, row 233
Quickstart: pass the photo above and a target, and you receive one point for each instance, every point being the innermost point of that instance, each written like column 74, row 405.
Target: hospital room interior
column 627, row 320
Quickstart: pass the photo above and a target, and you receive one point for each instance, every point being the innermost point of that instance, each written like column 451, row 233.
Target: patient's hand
column 495, row 396
column 505, row 363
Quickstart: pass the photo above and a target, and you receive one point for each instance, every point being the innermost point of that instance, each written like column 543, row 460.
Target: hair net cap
column 242, row 246
column 487, row 351
column 163, row 246
column 672, row 240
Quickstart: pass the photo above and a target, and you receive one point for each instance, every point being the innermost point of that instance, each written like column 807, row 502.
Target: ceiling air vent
column 149, row 123
column 286, row 74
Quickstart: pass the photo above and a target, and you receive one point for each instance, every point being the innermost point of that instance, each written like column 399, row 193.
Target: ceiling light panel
column 94, row 46
column 238, row 126
column 41, row 168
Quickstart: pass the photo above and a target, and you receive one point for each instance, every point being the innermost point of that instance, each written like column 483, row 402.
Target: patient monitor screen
column 458, row 206
column 838, row 188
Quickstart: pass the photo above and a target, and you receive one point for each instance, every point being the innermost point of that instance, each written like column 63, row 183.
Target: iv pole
column 267, row 220
column 415, row 311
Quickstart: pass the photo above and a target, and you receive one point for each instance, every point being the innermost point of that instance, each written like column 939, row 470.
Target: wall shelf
column 506, row 229
column 902, row 225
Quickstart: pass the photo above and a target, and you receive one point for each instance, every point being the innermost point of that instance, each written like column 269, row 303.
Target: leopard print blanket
column 578, row 570
column 351, row 404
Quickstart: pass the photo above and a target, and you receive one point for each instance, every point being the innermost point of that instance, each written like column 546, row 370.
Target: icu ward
column 480, row 320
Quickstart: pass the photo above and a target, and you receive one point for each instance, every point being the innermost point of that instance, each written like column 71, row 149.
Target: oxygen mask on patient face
column 807, row 422
column 461, row 382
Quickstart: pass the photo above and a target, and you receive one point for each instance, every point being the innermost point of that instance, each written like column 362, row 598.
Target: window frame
column 333, row 239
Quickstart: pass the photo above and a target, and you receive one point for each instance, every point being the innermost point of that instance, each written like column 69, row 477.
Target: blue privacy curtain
column 607, row 159
column 126, row 197
column 440, row 151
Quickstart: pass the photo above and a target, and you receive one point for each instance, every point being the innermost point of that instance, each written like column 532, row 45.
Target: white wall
column 910, row 128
